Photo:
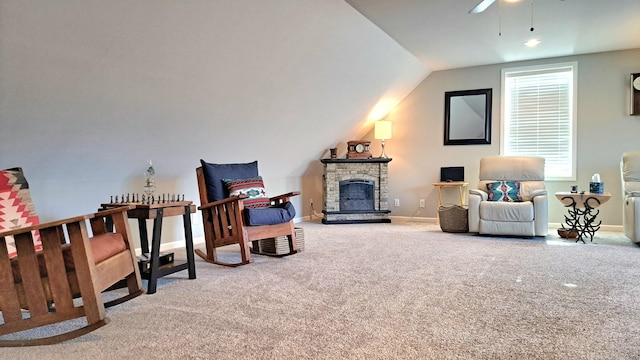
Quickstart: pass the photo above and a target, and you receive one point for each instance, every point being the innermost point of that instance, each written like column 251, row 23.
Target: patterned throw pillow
column 504, row 191
column 252, row 187
column 16, row 208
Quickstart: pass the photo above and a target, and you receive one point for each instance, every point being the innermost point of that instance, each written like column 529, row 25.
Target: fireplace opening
column 357, row 195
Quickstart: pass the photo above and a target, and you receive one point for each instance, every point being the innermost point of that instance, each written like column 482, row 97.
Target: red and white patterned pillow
column 252, row 187
column 16, row 208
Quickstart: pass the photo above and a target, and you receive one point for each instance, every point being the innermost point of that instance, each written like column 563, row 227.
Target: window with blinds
column 538, row 116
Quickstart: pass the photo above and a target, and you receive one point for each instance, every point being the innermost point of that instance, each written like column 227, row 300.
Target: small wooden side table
column 449, row 184
column 582, row 212
column 157, row 212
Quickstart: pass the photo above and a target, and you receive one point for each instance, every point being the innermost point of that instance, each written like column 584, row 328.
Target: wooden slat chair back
column 224, row 224
column 36, row 293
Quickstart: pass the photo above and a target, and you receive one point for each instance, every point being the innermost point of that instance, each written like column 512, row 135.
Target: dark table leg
column 108, row 221
column 590, row 226
column 155, row 253
column 188, row 238
column 144, row 237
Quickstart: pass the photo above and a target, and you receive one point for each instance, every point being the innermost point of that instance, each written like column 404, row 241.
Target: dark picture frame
column 467, row 117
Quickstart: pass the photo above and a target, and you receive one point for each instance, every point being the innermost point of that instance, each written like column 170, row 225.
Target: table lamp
column 383, row 132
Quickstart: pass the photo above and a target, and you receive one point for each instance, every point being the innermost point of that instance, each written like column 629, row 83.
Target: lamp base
column 383, row 155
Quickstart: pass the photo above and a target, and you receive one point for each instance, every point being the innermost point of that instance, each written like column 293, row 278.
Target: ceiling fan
column 482, row 6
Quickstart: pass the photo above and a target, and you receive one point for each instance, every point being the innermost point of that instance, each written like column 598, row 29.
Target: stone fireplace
column 355, row 191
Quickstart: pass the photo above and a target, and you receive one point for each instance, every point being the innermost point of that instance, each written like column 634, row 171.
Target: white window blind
column 538, row 116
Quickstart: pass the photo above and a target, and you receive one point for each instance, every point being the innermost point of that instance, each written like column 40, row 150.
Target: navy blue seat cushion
column 276, row 214
column 215, row 173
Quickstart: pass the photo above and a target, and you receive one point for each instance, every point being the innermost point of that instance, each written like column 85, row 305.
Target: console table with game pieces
column 156, row 209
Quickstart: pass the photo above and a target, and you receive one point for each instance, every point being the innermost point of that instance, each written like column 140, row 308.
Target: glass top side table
column 582, row 212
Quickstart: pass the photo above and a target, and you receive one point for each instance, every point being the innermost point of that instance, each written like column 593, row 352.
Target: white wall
column 605, row 131
column 90, row 89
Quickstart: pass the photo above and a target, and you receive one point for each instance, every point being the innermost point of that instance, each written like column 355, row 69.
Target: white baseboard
column 414, row 218
column 179, row 244
column 405, row 218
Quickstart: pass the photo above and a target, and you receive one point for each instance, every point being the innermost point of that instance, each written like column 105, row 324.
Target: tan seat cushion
column 102, row 246
column 506, row 211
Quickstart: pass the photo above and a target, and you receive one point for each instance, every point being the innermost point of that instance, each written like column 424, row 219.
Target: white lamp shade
column 383, row 129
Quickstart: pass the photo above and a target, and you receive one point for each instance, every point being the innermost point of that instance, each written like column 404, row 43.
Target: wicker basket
column 454, row 218
column 280, row 245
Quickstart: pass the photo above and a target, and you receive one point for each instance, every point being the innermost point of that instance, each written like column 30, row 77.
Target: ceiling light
column 532, row 43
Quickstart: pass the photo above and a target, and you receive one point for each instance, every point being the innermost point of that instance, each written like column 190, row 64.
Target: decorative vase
column 149, row 181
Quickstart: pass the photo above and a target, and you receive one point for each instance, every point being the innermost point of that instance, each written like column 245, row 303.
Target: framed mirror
column 467, row 117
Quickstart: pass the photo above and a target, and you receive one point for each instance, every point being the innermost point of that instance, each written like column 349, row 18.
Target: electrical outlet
column 421, row 203
column 195, row 219
column 396, row 202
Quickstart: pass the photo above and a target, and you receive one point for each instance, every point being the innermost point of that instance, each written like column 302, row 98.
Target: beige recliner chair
column 630, row 171
column 510, row 198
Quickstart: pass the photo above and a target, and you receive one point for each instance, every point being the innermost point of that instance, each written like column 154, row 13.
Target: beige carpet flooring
column 404, row 290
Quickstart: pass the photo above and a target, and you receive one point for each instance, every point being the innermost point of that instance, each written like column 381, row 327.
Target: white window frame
column 573, row 93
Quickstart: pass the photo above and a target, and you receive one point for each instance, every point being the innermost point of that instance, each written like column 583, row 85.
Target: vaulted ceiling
column 444, row 35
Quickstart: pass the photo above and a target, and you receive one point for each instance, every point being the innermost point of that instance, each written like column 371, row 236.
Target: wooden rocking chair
column 37, row 287
column 228, row 220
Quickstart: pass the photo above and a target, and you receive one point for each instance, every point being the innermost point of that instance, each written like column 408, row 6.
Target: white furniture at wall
column 630, row 172
column 525, row 217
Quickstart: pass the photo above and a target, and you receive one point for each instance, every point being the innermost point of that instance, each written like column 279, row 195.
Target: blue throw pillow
column 214, row 174
column 504, row 191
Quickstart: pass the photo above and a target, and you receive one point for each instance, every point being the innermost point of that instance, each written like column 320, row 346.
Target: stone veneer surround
column 336, row 170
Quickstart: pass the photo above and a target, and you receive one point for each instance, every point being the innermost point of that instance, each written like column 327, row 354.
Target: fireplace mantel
column 337, row 170
column 357, row 161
